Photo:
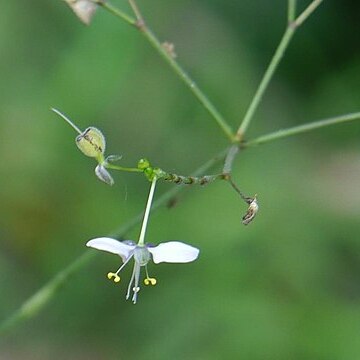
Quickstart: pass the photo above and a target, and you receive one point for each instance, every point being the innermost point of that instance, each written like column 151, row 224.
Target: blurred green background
column 285, row 287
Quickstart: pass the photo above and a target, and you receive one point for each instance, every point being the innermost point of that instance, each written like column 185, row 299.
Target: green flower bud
column 143, row 164
column 91, row 142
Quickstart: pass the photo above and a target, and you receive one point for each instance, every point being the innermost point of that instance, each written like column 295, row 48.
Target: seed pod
column 91, row 142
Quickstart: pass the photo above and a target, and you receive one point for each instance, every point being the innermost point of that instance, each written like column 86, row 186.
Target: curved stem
column 67, row 120
column 174, row 65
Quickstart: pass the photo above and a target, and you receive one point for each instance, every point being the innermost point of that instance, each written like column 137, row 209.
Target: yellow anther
column 112, row 275
column 150, row 281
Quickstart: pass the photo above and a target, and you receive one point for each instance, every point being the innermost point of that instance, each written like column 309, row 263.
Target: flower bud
column 91, row 142
column 104, row 175
column 143, row 164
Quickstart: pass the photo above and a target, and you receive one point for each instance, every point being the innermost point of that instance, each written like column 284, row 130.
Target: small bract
column 170, row 252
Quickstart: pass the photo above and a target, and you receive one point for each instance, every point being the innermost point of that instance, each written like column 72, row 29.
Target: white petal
column 113, row 246
column 174, row 252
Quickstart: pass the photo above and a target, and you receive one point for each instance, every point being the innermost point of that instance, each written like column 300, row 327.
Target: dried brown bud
column 251, row 211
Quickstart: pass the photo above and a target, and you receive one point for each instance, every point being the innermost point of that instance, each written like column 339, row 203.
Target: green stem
column 274, row 63
column 230, row 157
column 36, row 302
column 32, row 306
column 115, row 11
column 190, row 83
column 307, row 12
column 121, row 168
column 291, row 10
column 279, row 53
column 147, row 212
column 302, row 128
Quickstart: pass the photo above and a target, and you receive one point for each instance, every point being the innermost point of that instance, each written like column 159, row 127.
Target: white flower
column 170, row 252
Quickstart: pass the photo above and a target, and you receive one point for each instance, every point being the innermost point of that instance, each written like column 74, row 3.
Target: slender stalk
column 279, row 53
column 291, row 10
column 32, row 306
column 274, row 63
column 122, row 168
column 174, row 65
column 115, row 11
column 136, row 10
column 302, row 128
column 35, row 303
column 307, row 12
column 147, row 212
column 230, row 157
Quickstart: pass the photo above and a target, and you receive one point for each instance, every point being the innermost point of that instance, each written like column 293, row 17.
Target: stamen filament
column 148, row 280
column 115, row 276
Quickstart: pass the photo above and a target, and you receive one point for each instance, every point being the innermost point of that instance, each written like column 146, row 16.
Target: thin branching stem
column 136, row 10
column 174, row 65
column 274, row 63
column 264, row 83
column 116, row 11
column 37, row 302
column 291, row 10
column 307, row 12
column 302, row 128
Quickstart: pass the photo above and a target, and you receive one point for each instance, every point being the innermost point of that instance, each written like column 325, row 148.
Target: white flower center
column 141, row 255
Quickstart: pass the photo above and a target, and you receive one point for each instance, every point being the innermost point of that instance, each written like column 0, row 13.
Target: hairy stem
column 302, row 128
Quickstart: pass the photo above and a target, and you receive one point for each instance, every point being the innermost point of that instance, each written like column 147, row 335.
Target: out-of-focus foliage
column 286, row 287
